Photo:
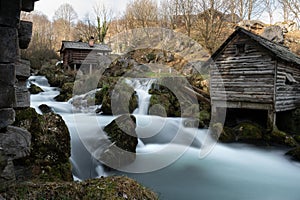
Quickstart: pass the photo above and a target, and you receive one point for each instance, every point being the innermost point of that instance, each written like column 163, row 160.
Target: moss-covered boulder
column 50, row 147
column 248, row 132
column 117, row 99
column 223, row 134
column 34, row 89
column 281, row 138
column 109, row 188
column 161, row 95
column 121, row 133
column 66, row 92
column 294, row 154
column 57, row 76
column 45, row 108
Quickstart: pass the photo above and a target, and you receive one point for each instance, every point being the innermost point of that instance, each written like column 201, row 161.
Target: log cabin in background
column 74, row 54
column 254, row 79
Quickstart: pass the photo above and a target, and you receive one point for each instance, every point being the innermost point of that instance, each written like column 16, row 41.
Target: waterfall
column 229, row 172
column 142, row 86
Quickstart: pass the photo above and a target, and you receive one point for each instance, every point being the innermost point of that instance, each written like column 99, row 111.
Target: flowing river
column 166, row 164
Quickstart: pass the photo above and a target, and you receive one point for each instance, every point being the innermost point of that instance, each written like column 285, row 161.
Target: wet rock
column 121, row 133
column 294, row 154
column 248, row 132
column 45, row 108
column 34, row 89
column 56, row 76
column 274, row 33
column 223, row 134
column 50, row 149
column 281, row 138
column 66, row 92
column 166, row 100
column 118, row 99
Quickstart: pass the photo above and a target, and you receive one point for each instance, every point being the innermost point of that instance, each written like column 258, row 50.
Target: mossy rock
column 56, row 76
column 223, row 134
column 45, row 108
column 297, row 138
column 248, row 132
column 124, row 98
column 50, row 146
column 164, row 97
column 110, row 188
column 281, row 138
column 34, row 89
column 204, row 119
column 294, row 154
column 66, row 92
column 121, row 133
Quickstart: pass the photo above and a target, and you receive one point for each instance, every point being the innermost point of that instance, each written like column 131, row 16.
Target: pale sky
column 48, row 7
column 82, row 7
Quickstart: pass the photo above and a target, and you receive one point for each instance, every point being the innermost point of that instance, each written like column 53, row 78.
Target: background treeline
column 208, row 22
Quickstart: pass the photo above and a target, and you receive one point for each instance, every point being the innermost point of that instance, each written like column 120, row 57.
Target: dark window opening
column 240, row 49
column 289, row 79
column 235, row 116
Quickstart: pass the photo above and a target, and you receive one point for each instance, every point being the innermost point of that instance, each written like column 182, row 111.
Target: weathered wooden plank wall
column 287, row 95
column 246, row 77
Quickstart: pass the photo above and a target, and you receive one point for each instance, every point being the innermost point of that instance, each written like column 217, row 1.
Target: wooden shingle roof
column 278, row 50
column 84, row 46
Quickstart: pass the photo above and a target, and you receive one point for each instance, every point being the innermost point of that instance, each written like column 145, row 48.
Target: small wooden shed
column 249, row 72
column 74, row 54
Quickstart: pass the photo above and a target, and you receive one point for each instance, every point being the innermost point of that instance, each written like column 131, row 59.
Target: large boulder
column 274, row 33
column 66, row 92
column 294, row 154
column 34, row 89
column 117, row 99
column 50, row 147
column 123, row 138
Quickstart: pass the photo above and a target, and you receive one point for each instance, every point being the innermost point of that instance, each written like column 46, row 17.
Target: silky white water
column 230, row 172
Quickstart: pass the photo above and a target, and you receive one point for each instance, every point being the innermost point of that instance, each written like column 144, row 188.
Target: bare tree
column 85, row 29
column 65, row 17
column 294, row 7
column 285, row 9
column 210, row 23
column 141, row 13
column 248, row 9
column 270, row 6
column 188, row 12
column 169, row 12
column 103, row 17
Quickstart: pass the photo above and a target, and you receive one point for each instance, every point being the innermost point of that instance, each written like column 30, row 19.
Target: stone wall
column 14, row 35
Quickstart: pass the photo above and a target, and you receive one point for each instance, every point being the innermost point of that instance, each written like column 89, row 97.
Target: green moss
column 248, row 132
column 34, row 89
column 124, row 99
column 281, row 138
column 110, row 188
column 50, row 146
column 294, row 154
column 297, row 138
column 223, row 134
column 66, row 92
